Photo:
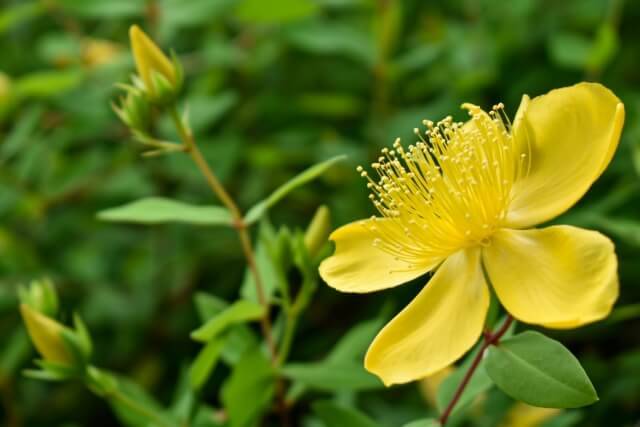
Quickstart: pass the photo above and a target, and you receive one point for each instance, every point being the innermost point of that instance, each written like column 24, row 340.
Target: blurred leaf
column 248, row 392
column 22, row 132
column 208, row 305
column 604, row 47
column 353, row 345
column 302, row 178
column 157, row 210
column 205, row 362
column 16, row 14
column 427, row 422
column 332, row 376
column 275, row 11
column 326, row 38
column 193, row 12
column 16, row 349
column 330, row 105
column 539, row 371
column 570, row 50
column 239, row 312
column 115, row 9
column 334, row 415
column 565, row 419
column 132, row 404
column 46, row 84
column 623, row 313
column 205, row 111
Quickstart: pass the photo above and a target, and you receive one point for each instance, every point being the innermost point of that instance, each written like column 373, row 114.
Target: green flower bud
column 41, row 296
column 318, row 231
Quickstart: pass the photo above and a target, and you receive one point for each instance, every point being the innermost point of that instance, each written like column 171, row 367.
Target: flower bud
column 318, row 231
column 41, row 296
column 134, row 110
column 55, row 342
column 162, row 77
column 47, row 336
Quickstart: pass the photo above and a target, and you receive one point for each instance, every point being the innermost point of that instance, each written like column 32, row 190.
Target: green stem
column 241, row 227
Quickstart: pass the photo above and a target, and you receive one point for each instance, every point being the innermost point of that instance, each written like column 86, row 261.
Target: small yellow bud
column 318, row 231
column 46, row 335
column 150, row 59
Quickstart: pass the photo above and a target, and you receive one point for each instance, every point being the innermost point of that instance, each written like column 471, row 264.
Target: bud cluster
column 156, row 85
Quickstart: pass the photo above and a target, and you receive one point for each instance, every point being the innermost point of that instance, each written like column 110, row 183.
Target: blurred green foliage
column 273, row 87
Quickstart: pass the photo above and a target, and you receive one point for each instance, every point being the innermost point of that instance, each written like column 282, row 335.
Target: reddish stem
column 489, row 339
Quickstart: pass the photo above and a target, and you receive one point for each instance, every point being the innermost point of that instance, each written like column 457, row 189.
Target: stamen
column 449, row 190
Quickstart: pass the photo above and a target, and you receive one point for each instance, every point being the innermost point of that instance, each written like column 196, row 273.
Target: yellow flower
column 151, row 62
column 46, row 335
column 466, row 196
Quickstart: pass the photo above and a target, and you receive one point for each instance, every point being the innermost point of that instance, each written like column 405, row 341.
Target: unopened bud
column 318, row 231
column 41, row 296
column 47, row 336
column 161, row 76
column 134, row 109
column 55, row 342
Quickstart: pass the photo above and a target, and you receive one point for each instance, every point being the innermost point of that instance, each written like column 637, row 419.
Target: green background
column 273, row 87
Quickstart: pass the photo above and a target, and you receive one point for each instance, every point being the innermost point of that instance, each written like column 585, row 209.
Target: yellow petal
column 46, row 335
column 360, row 266
column 558, row 277
column 149, row 58
column 440, row 325
column 573, row 133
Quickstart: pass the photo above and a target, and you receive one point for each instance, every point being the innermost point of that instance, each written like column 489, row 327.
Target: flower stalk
column 490, row 338
column 218, row 189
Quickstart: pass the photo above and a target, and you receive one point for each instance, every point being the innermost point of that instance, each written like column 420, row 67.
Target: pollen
column 450, row 189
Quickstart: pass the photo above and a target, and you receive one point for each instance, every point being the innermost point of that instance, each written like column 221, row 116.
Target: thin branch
column 489, row 339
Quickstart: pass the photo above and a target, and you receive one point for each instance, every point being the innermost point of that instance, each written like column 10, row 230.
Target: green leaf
column 539, row 371
column 158, row 210
column 329, row 38
column 238, row 339
column 204, row 363
column 354, row 344
column 239, row 312
column 208, row 305
column 302, row 178
column 427, row 422
column 104, row 9
column 332, row 376
column 334, row 415
column 47, row 84
column 17, row 13
column 274, row 11
column 248, row 392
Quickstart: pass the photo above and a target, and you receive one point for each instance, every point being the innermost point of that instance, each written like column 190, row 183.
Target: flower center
column 449, row 190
